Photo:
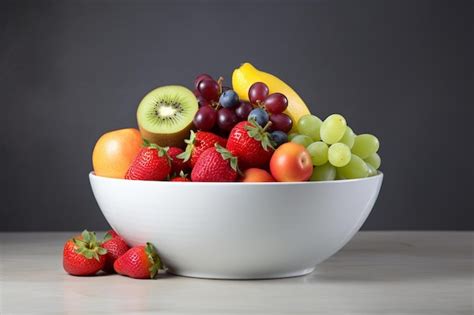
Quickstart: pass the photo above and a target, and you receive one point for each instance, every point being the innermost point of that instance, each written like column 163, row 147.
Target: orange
column 114, row 152
column 257, row 175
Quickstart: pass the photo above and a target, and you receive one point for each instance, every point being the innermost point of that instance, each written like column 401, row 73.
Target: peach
column 114, row 152
column 257, row 175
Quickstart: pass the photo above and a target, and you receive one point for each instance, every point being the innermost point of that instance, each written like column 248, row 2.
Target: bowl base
column 199, row 275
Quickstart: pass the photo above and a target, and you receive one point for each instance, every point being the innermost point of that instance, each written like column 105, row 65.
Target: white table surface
column 376, row 273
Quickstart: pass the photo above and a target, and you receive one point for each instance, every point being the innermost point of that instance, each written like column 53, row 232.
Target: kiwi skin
column 171, row 140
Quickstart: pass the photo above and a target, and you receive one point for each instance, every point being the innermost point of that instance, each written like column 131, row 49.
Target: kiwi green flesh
column 165, row 115
column 167, row 109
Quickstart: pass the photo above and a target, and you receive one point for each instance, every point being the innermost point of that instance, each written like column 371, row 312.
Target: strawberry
column 116, row 247
column 151, row 163
column 199, row 142
column 216, row 164
column 181, row 178
column 83, row 255
column 140, row 262
column 251, row 144
column 177, row 164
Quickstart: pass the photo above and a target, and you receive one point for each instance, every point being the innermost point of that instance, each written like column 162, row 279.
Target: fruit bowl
column 238, row 230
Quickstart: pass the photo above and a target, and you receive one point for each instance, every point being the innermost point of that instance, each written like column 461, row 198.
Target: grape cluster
column 336, row 151
column 221, row 109
column 269, row 107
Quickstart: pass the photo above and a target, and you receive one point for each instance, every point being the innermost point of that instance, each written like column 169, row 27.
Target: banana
column 246, row 75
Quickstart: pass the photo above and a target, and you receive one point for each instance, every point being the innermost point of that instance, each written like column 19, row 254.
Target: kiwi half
column 165, row 115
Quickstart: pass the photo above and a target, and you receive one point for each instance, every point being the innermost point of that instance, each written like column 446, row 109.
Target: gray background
column 71, row 70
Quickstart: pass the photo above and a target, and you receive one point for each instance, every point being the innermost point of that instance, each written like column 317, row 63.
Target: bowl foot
column 260, row 276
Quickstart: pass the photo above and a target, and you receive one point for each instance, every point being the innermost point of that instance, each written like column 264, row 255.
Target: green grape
column 319, row 152
column 372, row 170
column 339, row 154
column 374, row 160
column 323, row 172
column 303, row 140
column 348, row 137
column 309, row 125
column 333, row 128
column 339, row 175
column 356, row 168
column 291, row 136
column 365, row 145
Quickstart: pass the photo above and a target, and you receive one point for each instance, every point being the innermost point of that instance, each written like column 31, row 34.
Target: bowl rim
column 150, row 182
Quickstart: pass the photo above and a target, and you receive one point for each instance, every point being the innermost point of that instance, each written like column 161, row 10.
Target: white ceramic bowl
column 238, row 230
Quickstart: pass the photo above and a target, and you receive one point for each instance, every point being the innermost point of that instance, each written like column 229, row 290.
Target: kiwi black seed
column 165, row 115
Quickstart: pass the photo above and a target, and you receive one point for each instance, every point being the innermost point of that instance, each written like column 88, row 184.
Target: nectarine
column 291, row 162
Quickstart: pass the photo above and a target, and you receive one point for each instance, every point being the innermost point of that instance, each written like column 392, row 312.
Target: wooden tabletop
column 376, row 273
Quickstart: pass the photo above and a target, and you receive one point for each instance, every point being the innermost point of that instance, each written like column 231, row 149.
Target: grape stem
column 267, row 126
column 219, row 81
column 215, row 105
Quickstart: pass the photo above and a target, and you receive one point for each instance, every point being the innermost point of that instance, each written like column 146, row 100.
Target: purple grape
column 243, row 110
column 258, row 92
column 209, row 89
column 205, row 118
column 276, row 103
column 281, row 122
column 202, row 101
column 201, row 77
column 226, row 119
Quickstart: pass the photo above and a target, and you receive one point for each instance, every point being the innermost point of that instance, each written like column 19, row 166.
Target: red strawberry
column 215, row 164
column 83, row 255
column 251, row 144
column 177, row 164
column 198, row 143
column 181, row 178
column 139, row 262
column 115, row 247
column 151, row 163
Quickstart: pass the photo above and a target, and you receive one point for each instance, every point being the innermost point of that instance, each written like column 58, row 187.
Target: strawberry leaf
column 146, row 143
column 86, row 236
column 186, row 155
column 101, row 251
column 260, row 134
column 153, row 259
column 226, row 155
column 161, row 150
column 88, row 246
column 107, row 237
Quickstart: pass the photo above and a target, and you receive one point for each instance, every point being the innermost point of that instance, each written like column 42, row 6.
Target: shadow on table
column 388, row 265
